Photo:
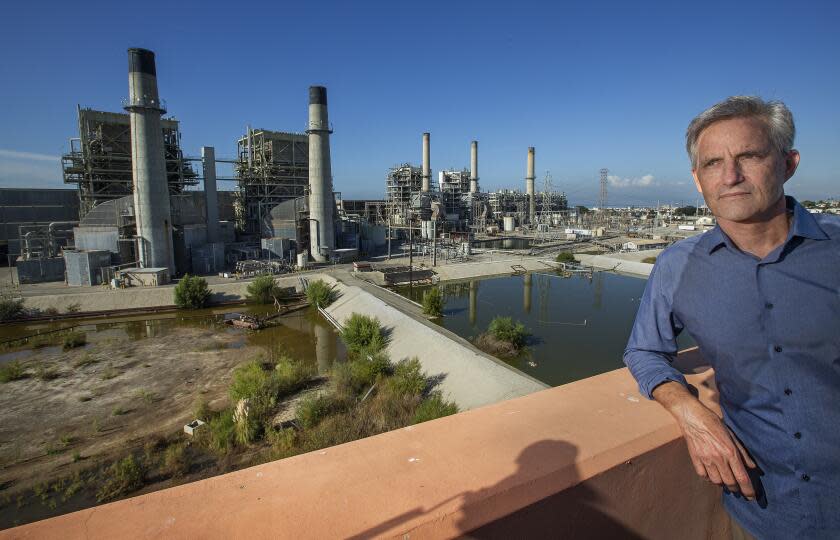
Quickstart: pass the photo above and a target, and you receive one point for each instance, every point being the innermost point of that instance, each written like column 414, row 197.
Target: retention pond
column 579, row 326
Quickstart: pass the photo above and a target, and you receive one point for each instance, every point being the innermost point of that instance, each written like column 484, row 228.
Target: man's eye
column 711, row 163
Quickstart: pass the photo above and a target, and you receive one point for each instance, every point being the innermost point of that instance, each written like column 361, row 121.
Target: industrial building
column 99, row 161
column 271, row 167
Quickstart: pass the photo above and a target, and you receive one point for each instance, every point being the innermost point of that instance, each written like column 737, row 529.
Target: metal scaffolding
column 401, row 183
column 272, row 167
column 99, row 161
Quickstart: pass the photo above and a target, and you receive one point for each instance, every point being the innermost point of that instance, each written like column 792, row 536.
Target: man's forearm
column 675, row 398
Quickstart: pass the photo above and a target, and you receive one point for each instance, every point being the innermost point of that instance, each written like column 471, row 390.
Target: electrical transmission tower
column 547, row 200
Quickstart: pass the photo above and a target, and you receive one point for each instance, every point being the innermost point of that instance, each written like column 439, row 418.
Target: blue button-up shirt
column 770, row 328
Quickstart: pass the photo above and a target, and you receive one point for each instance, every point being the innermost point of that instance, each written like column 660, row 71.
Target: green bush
column 10, row 308
column 12, row 371
column 433, row 302
column 249, row 381
column 649, row 260
column 290, row 376
column 358, row 374
column 191, row 292
column 313, row 409
column 263, row 290
column 408, row 378
column 220, row 432
column 565, row 257
column 122, row 477
column 505, row 329
column 74, row 339
column 46, row 373
column 433, row 407
column 176, row 460
column 363, row 333
column 320, row 294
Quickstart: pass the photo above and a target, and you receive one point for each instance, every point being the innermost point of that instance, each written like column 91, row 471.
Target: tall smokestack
column 148, row 165
column 474, row 167
column 529, row 186
column 321, row 198
column 211, row 197
column 426, row 168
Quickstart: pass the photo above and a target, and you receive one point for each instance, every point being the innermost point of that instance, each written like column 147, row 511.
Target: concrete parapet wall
column 620, row 265
column 588, row 459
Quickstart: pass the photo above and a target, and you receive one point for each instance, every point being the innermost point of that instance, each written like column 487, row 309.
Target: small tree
column 320, row 294
column 565, row 257
column 363, row 333
column 191, row 292
column 433, row 302
column 505, row 329
column 263, row 290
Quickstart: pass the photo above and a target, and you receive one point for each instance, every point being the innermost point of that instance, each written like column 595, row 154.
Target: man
column 760, row 295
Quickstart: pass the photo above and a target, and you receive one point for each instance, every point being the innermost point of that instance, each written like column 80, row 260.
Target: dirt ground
column 108, row 395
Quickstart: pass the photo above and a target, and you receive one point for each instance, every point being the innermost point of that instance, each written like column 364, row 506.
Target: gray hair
column 775, row 115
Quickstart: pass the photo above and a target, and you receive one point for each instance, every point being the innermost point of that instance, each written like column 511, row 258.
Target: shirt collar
column 803, row 225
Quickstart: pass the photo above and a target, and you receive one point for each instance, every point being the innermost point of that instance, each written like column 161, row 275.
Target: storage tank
column 509, row 223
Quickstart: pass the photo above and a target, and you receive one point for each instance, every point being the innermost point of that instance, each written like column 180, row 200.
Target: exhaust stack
column 321, row 198
column 426, row 169
column 474, row 167
column 529, row 186
column 148, row 165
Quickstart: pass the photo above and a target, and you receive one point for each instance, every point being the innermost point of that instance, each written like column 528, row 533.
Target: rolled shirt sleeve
column 652, row 346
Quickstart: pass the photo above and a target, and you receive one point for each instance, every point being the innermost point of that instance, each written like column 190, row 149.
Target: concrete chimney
column 148, row 165
column 474, row 167
column 529, row 186
column 321, row 198
column 426, row 169
column 211, row 196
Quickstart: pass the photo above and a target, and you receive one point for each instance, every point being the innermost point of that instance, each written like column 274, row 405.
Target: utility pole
column 410, row 257
column 434, row 242
column 389, row 237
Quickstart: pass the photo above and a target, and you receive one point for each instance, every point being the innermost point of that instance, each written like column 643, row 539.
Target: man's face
column 739, row 172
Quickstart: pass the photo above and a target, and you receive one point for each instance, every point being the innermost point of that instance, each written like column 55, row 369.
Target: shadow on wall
column 541, row 468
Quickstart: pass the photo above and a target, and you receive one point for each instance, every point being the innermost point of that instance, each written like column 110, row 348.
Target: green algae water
column 579, row 326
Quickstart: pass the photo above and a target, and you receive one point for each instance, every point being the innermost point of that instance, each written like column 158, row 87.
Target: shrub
column 263, row 290
column 313, row 409
column 320, row 294
column 220, row 432
column 12, row 371
column 74, row 339
column 249, row 381
column 51, row 311
column 433, row 302
column 649, row 260
column 363, row 333
column 408, row 378
column 565, row 257
column 75, row 307
column 191, row 292
column 433, row 407
column 505, row 329
column 201, row 409
column 10, row 308
column 358, row 374
column 46, row 373
column 289, row 376
column 176, row 460
column 122, row 477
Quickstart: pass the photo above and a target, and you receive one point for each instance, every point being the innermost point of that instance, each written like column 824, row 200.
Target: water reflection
column 580, row 325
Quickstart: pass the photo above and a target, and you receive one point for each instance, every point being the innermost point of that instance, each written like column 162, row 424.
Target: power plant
column 141, row 220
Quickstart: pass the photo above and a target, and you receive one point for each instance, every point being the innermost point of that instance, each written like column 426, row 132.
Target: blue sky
column 607, row 85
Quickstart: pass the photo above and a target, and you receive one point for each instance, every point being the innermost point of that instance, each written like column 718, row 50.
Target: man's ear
column 696, row 181
column 791, row 163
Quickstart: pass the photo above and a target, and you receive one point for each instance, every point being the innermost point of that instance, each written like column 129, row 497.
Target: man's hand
column 716, row 453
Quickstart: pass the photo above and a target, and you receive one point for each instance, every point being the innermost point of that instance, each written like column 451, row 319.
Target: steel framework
column 272, row 167
column 99, row 161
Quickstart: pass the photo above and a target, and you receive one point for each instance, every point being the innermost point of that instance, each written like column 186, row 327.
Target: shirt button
column 769, row 305
column 797, row 435
column 777, row 348
column 788, row 391
column 806, row 478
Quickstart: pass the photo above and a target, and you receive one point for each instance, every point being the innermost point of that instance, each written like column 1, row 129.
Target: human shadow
column 557, row 504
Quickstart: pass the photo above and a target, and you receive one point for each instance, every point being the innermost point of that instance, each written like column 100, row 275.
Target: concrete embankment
column 491, row 268
column 466, row 376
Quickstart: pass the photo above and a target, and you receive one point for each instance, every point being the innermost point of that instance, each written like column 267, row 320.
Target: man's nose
column 731, row 172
